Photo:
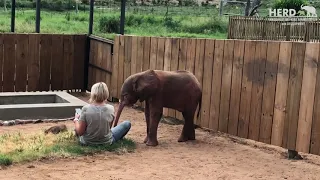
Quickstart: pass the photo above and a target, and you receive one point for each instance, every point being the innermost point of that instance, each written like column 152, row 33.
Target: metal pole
column 38, row 4
column 13, row 14
column 122, row 17
column 220, row 9
column 91, row 17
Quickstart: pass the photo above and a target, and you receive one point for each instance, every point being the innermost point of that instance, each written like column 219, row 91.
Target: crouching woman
column 93, row 125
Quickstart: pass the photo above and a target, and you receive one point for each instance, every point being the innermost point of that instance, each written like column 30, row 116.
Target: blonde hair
column 99, row 92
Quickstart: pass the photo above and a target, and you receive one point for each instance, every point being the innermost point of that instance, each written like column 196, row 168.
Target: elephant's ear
column 146, row 84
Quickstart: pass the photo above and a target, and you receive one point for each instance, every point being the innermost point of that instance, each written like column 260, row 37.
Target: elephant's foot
column 152, row 143
column 145, row 139
column 192, row 136
column 182, row 139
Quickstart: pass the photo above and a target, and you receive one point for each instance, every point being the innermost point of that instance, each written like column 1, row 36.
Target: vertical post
column 122, row 17
column 86, row 65
column 91, row 17
column 38, row 16
column 13, row 14
column 220, row 8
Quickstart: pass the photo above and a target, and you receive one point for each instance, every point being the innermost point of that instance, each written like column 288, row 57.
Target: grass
column 70, row 22
column 16, row 148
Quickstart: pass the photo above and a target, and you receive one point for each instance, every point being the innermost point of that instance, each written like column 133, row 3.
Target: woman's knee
column 127, row 124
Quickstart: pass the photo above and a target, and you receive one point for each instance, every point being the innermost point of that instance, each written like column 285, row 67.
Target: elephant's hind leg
column 188, row 132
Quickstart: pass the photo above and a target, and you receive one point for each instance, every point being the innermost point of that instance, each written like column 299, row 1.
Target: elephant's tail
column 200, row 102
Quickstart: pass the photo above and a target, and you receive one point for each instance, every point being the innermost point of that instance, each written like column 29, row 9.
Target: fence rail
column 255, row 28
column 41, row 62
column 268, row 91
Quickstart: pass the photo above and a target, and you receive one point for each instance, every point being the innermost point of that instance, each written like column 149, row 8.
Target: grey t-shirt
column 98, row 120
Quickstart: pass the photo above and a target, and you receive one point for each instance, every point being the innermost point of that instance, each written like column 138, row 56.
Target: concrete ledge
column 63, row 107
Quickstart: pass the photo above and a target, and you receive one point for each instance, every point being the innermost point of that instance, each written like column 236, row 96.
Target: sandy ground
column 211, row 156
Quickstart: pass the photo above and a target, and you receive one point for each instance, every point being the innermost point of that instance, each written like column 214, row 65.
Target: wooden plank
column 257, row 89
column 45, row 62
column 146, row 56
column 191, row 53
column 121, row 66
column 236, row 87
column 207, row 79
column 92, row 60
column 246, row 84
column 183, row 54
column 160, row 53
column 226, row 85
column 98, row 61
column 269, row 92
column 198, row 68
column 307, row 97
column 139, row 61
column 22, row 56
column 166, row 64
column 115, row 68
column 9, row 41
column 182, row 65
column 68, row 57
column 140, row 50
column 107, row 58
column 191, row 56
column 315, row 135
column 134, row 53
column 127, row 57
column 216, row 85
column 90, row 77
column 80, row 43
column 174, row 63
column 57, row 62
column 33, row 64
column 153, row 53
column 293, row 98
column 281, row 93
column 1, row 61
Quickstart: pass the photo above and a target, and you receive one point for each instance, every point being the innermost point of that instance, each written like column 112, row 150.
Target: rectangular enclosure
column 31, row 99
column 38, row 105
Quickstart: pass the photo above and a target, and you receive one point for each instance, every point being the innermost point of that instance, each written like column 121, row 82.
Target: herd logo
column 311, row 12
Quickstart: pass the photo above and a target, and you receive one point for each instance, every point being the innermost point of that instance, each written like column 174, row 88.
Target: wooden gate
column 100, row 61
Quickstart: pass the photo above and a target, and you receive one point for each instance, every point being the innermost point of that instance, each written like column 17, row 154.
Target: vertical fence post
column 91, row 17
column 220, row 8
column 38, row 4
column 13, row 14
column 122, row 17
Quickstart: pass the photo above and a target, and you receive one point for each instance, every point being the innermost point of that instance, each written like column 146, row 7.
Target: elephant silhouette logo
column 311, row 11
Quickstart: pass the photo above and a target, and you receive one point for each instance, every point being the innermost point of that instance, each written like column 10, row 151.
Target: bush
column 289, row 4
column 109, row 24
column 5, row 160
column 207, row 27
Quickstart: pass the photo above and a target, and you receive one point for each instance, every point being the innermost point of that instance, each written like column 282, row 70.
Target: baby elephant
column 179, row 90
column 56, row 129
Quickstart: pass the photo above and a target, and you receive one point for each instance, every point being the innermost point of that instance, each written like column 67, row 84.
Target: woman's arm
column 80, row 127
column 80, row 123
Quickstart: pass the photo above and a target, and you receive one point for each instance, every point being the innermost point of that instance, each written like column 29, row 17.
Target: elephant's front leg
column 155, row 116
column 147, row 117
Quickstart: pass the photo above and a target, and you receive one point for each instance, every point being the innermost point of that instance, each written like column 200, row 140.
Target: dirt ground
column 211, row 156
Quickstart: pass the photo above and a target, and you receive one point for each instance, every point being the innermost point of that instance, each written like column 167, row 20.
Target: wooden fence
column 255, row 28
column 267, row 91
column 41, row 62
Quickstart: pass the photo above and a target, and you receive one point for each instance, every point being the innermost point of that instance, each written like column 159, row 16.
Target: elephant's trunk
column 121, row 106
